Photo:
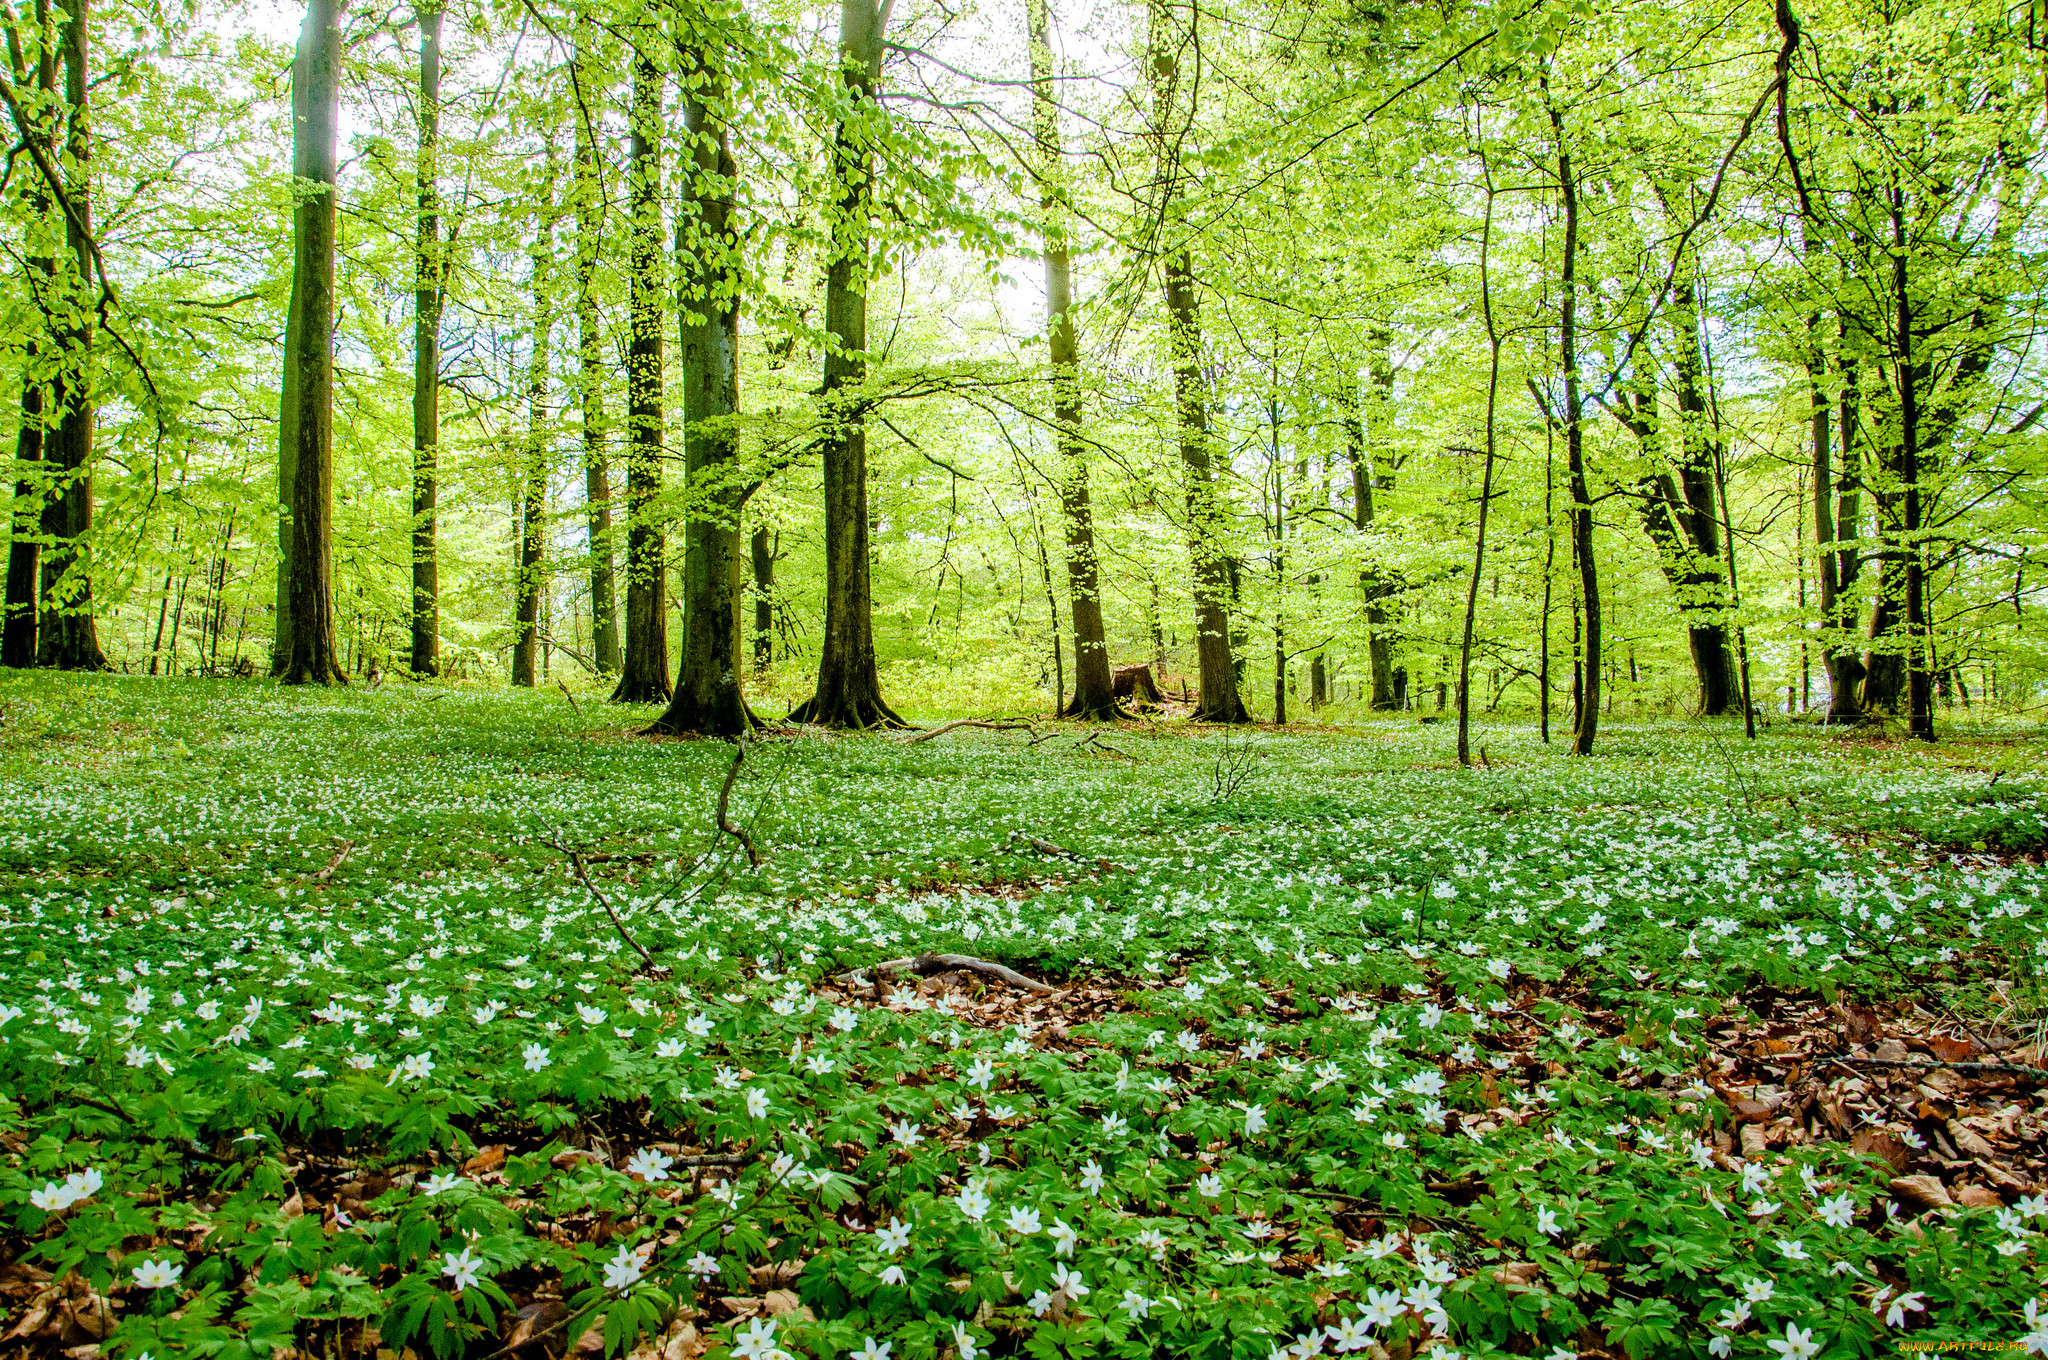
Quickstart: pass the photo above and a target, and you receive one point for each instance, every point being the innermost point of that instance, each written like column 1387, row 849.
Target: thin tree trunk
column 1919, row 642
column 1549, row 577
column 1375, row 436
column 313, row 657
column 1485, row 477
column 849, row 692
column 1094, row 695
column 533, row 515
column 644, row 676
column 597, row 491
column 1586, row 717
column 70, row 636
column 707, row 692
column 156, row 648
column 428, row 276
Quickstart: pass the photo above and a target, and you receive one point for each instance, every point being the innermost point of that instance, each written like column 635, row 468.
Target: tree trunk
column 764, row 598
column 313, row 657
column 1919, row 643
column 534, row 500
column 32, row 436
column 69, row 635
column 849, row 692
column 24, row 548
column 1094, row 697
column 644, row 677
column 1375, row 447
column 1586, row 714
column 1219, row 701
column 428, row 275
column 707, row 691
column 597, row 490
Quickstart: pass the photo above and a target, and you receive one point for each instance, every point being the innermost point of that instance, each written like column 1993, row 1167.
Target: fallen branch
column 576, row 863
column 993, row 724
column 1043, row 847
column 930, row 965
column 333, row 864
column 739, row 753
column 2009, row 1069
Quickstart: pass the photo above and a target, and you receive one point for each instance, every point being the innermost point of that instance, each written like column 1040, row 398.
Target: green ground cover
column 316, row 1043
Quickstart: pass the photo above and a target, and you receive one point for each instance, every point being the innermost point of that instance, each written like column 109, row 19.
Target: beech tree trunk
column 69, row 636
column 849, row 692
column 1094, row 697
column 644, row 677
column 426, row 357
column 1219, row 701
column 313, row 658
column 707, row 695
column 597, row 490
column 533, row 512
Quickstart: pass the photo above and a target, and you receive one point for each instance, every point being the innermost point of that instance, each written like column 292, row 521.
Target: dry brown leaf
column 1881, row 1145
column 486, row 1160
column 1926, row 1191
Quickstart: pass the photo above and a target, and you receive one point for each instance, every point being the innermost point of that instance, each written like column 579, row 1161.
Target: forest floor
column 446, row 1021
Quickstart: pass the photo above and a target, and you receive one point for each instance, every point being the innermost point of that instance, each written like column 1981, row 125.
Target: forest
column 966, row 679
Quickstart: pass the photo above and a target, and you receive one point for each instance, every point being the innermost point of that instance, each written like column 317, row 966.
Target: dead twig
column 992, row 724
column 582, row 872
column 725, row 824
column 574, row 707
column 930, row 965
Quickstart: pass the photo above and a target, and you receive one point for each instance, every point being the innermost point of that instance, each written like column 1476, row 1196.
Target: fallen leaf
column 1925, row 1191
column 1881, row 1145
column 486, row 1159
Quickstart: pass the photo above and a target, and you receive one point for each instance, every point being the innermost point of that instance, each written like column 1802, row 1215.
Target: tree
column 309, row 390
column 707, row 692
column 24, row 551
column 533, row 501
column 849, row 692
column 1093, row 695
column 1586, row 713
column 1220, row 701
column 589, row 108
column 68, row 636
column 643, row 678
column 428, row 276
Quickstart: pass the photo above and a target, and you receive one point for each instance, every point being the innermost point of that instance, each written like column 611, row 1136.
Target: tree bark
column 1094, row 698
column 849, row 693
column 1704, row 589
column 533, row 514
column 597, row 490
column 313, row 658
column 428, row 276
column 644, row 677
column 707, row 695
column 69, row 636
